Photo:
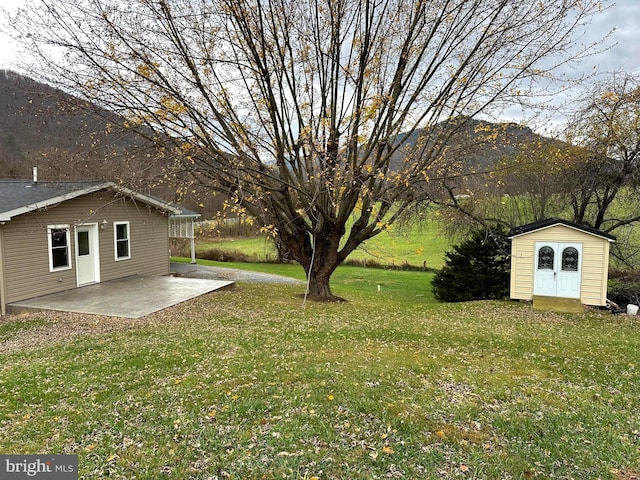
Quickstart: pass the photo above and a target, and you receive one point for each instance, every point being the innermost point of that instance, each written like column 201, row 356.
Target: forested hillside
column 65, row 137
column 69, row 139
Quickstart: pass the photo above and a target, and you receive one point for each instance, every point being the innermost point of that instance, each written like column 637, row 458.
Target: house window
column 122, row 243
column 58, row 238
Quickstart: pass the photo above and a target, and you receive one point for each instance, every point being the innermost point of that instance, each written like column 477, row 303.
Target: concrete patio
column 132, row 297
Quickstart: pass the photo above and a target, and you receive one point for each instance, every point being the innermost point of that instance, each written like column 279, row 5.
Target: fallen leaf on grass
column 625, row 474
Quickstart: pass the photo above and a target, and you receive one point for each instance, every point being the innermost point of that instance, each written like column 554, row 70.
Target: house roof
column 18, row 197
column 550, row 222
column 185, row 212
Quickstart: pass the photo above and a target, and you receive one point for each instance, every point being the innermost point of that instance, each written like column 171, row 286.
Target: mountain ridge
column 70, row 139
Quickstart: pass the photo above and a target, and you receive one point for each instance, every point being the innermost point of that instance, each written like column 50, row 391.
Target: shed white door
column 87, row 255
column 558, row 269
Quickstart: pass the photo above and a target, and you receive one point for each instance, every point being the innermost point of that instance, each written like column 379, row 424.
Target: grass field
column 250, row 383
column 418, row 246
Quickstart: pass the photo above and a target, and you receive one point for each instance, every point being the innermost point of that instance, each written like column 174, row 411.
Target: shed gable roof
column 551, row 222
column 18, row 197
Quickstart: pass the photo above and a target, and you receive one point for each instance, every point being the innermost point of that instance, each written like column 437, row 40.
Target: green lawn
column 418, row 246
column 252, row 383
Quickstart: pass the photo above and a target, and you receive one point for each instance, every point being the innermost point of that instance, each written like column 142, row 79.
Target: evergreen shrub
column 477, row 269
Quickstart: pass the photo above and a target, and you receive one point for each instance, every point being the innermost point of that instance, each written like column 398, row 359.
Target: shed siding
column 595, row 255
column 26, row 253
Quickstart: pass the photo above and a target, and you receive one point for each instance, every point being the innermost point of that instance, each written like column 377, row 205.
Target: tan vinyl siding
column 595, row 260
column 522, row 268
column 594, row 272
column 3, row 279
column 26, row 254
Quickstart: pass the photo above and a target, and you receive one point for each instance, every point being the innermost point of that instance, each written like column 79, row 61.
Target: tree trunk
column 324, row 262
column 319, row 258
column 319, row 287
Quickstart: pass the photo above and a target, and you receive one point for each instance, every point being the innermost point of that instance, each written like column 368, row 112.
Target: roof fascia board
column 147, row 199
column 7, row 216
column 611, row 240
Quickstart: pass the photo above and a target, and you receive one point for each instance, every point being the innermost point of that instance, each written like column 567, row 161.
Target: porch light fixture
column 103, row 224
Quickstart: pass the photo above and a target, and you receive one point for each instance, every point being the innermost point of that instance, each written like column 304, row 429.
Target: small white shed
column 558, row 258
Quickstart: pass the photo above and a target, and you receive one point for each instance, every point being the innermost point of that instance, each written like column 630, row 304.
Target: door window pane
column 569, row 260
column 545, row 258
column 83, row 243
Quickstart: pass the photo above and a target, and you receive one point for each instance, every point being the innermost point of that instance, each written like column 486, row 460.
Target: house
column 55, row 236
column 557, row 258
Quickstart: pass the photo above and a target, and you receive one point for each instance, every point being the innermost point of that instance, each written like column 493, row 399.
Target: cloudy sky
column 622, row 19
column 623, row 16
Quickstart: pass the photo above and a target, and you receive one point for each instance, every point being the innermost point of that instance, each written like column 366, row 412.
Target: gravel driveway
column 191, row 270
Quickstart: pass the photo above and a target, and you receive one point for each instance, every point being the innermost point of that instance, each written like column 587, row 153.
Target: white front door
column 87, row 257
column 558, row 269
column 570, row 270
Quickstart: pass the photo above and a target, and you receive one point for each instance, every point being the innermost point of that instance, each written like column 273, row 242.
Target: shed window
column 58, row 238
column 569, row 260
column 122, row 242
column 545, row 258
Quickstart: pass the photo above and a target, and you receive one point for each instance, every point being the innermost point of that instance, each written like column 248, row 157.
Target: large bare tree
column 591, row 177
column 320, row 118
column 607, row 127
